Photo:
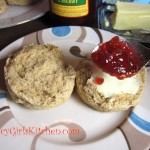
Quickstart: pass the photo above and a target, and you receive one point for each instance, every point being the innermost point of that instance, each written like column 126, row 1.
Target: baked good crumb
column 38, row 76
column 96, row 99
column 3, row 6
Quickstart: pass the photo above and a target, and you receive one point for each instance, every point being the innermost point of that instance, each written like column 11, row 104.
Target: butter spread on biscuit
column 113, row 86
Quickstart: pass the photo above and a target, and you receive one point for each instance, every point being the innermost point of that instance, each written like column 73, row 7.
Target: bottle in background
column 74, row 12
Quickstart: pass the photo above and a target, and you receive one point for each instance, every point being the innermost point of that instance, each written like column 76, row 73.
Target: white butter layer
column 113, row 86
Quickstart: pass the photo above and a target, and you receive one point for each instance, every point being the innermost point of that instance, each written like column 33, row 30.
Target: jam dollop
column 98, row 80
column 117, row 58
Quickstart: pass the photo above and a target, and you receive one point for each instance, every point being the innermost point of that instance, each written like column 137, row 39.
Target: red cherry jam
column 117, row 58
column 98, row 80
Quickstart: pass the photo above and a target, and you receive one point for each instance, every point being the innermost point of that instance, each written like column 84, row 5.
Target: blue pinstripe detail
column 145, row 125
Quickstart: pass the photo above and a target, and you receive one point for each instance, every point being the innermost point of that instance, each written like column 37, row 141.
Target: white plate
column 20, row 14
column 72, row 125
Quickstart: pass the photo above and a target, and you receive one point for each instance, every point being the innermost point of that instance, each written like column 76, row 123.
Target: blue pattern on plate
column 145, row 125
column 3, row 95
column 61, row 31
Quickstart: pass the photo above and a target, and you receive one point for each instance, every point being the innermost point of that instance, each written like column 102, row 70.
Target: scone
column 106, row 93
column 3, row 6
column 21, row 2
column 38, row 77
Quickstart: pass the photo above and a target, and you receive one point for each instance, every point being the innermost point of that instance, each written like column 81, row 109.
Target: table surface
column 8, row 35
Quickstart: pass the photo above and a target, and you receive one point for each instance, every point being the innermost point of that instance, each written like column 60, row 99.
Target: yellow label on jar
column 70, row 8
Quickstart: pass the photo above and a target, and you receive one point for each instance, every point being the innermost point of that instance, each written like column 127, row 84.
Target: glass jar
column 73, row 12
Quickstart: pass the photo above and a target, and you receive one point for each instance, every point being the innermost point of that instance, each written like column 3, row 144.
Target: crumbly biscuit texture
column 39, row 77
column 3, row 6
column 89, row 94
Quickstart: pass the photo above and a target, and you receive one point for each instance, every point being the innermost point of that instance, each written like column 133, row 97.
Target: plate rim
column 21, row 20
column 50, row 28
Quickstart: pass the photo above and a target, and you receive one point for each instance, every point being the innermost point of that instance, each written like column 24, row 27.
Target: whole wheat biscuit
column 3, row 6
column 96, row 100
column 39, row 77
column 21, row 2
